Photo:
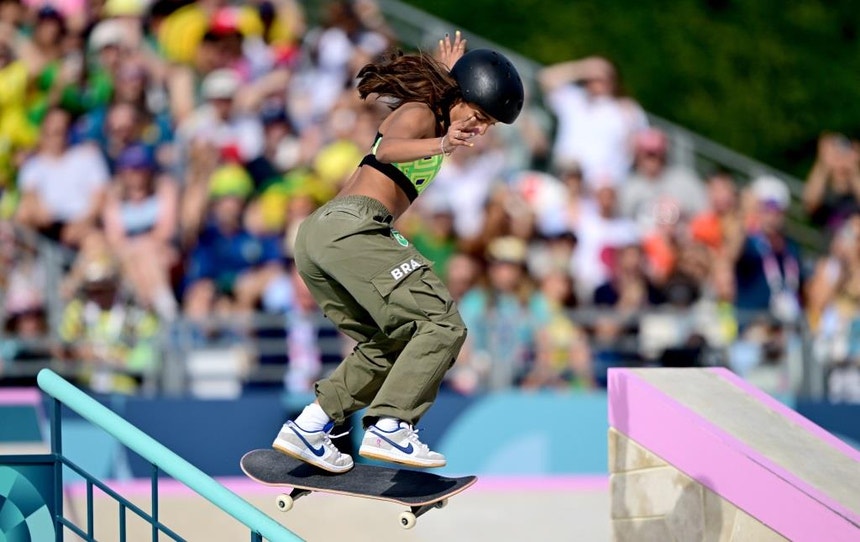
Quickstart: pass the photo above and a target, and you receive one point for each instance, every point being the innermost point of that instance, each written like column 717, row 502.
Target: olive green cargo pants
column 379, row 290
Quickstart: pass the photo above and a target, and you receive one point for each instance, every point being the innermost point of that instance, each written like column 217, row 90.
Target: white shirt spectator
column 676, row 190
column 595, row 132
column 66, row 185
column 595, row 235
column 244, row 132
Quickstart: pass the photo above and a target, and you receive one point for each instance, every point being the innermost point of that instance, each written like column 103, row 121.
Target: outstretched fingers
column 450, row 53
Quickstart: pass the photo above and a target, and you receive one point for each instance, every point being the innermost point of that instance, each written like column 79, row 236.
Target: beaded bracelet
column 442, row 146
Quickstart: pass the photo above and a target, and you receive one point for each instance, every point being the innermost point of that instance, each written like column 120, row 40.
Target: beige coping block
column 626, row 455
column 652, row 500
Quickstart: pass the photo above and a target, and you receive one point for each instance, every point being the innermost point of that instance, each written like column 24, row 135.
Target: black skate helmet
column 490, row 81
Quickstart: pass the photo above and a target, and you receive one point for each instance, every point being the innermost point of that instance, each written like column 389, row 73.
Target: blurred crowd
column 170, row 148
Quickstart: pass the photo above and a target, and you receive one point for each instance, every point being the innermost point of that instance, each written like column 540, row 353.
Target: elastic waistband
column 365, row 203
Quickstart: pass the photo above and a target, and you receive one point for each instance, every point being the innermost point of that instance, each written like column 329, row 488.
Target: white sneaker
column 399, row 446
column 314, row 447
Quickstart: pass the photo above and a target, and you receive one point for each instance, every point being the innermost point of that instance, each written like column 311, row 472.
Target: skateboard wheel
column 284, row 502
column 441, row 504
column 407, row 520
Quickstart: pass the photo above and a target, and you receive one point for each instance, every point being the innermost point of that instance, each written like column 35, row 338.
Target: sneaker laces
column 327, row 436
column 412, row 436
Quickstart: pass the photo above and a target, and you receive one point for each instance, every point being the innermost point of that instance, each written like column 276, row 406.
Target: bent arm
column 409, row 135
column 814, row 188
column 558, row 75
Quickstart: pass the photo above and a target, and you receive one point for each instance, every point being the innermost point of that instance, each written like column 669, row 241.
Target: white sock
column 312, row 418
column 388, row 424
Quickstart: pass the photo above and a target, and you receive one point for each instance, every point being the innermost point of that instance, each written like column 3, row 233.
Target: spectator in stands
column 720, row 227
column 304, row 332
column 833, row 296
column 17, row 132
column 466, row 183
column 715, row 314
column 109, row 44
column 505, row 213
column 218, row 122
column 12, row 14
column 281, row 150
column 140, row 221
column 657, row 188
column 684, row 283
column 556, row 200
column 338, row 49
column 503, row 318
column 629, row 289
column 599, row 231
column 26, row 336
column 627, row 293
column 463, row 274
column 832, row 190
column 435, row 239
column 104, row 329
column 550, row 253
column 136, row 113
column 122, row 128
column 229, row 263
column 563, row 358
column 44, row 51
column 62, row 187
column 596, row 124
column 768, row 269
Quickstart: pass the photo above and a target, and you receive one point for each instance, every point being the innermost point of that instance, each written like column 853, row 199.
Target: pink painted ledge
column 20, row 396
column 725, row 465
column 168, row 487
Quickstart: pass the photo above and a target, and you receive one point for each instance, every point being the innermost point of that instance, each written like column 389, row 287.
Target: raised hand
column 460, row 134
column 450, row 53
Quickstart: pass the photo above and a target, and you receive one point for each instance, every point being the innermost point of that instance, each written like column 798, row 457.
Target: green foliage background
column 763, row 77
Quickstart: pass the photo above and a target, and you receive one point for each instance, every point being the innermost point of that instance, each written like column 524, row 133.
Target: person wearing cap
column 768, row 268
column 219, row 122
column 503, row 318
column 103, row 327
column 371, row 281
column 140, row 222
column 230, row 263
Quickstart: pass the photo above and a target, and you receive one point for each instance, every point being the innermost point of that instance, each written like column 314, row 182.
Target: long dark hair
column 402, row 78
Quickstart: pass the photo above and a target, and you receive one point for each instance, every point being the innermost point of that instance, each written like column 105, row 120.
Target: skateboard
column 420, row 491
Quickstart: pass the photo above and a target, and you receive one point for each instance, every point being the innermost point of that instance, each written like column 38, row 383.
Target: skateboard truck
column 407, row 519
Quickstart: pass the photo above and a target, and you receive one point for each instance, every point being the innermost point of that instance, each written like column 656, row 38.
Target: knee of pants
column 447, row 332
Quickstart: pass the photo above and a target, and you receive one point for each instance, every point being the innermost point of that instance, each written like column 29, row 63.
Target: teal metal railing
column 161, row 459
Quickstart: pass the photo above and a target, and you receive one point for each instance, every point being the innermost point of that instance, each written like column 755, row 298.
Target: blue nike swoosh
column 317, row 451
column 407, row 450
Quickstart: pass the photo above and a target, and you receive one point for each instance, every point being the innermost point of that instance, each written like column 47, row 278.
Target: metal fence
column 777, row 356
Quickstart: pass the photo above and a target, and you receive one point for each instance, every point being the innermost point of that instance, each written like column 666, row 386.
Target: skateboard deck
column 419, row 490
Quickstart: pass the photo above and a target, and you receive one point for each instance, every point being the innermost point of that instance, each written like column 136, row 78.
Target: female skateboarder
column 369, row 280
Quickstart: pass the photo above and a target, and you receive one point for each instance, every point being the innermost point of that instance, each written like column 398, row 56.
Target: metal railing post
column 160, row 457
column 57, row 452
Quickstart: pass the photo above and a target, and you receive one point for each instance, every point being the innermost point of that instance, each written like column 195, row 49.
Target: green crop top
column 412, row 177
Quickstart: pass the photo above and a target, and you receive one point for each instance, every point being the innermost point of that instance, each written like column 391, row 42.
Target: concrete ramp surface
column 699, row 454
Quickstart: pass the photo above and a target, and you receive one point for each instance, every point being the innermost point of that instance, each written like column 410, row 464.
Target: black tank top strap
column 390, row 171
